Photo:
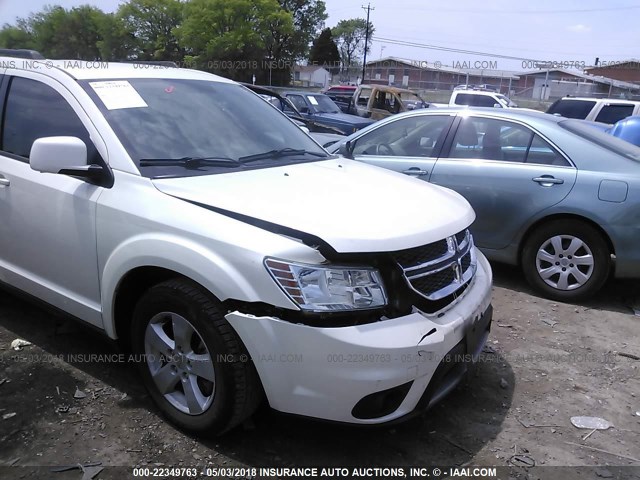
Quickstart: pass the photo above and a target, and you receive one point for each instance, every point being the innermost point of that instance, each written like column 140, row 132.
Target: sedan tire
column 566, row 260
column 192, row 362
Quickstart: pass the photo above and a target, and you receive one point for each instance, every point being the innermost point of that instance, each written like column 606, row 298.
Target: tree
column 59, row 33
column 233, row 37
column 15, row 37
column 116, row 43
column 324, row 51
column 153, row 24
column 350, row 36
column 308, row 18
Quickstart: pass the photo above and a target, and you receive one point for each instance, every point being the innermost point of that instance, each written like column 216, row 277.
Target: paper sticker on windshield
column 312, row 100
column 118, row 94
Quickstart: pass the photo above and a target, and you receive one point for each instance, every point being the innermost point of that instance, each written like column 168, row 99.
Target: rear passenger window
column 34, row 110
column 483, row 101
column 463, row 99
column 614, row 113
column 542, row 153
column 491, row 139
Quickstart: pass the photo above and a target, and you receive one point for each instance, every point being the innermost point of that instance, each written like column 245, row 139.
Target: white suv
column 183, row 215
column 603, row 110
column 480, row 98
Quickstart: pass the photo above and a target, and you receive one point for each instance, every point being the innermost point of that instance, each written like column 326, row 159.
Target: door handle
column 548, row 180
column 415, row 172
column 4, row 182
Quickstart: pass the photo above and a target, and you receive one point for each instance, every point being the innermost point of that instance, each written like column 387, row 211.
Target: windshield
column 602, row 139
column 410, row 98
column 170, row 119
column 505, row 100
column 323, row 104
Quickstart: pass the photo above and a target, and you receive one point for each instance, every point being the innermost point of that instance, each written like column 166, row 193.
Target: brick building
column 425, row 76
column 627, row 71
column 556, row 83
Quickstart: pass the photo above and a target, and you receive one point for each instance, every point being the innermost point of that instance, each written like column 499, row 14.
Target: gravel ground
column 545, row 362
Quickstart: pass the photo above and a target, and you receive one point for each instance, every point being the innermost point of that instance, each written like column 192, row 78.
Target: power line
column 533, row 12
column 449, row 49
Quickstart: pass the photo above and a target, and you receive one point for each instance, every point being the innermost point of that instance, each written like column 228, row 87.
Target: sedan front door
column 506, row 171
column 408, row 145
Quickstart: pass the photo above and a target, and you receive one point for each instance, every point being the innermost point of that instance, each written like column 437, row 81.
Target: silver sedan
column 553, row 195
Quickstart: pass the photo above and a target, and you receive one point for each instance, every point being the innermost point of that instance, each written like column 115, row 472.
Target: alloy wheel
column 180, row 363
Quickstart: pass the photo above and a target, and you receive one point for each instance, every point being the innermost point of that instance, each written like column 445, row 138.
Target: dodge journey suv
column 189, row 219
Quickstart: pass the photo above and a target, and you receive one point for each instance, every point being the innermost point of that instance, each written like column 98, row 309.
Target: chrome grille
column 420, row 255
column 439, row 269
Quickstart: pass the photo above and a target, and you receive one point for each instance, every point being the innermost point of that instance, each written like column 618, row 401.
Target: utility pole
column 366, row 41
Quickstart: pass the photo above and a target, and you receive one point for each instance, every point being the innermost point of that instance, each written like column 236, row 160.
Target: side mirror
column 346, row 149
column 53, row 154
column 305, row 129
column 66, row 156
column 497, row 105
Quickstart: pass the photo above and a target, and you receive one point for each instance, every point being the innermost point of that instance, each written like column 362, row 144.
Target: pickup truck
column 603, row 110
column 480, row 98
column 381, row 101
column 183, row 216
column 320, row 109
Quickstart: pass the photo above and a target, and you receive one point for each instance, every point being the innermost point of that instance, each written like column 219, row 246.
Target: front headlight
column 320, row 288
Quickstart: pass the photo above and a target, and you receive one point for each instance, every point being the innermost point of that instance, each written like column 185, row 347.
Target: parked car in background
column 484, row 86
column 285, row 105
column 320, row 109
column 604, row 110
column 627, row 129
column 381, row 101
column 480, row 97
column 177, row 212
column 341, row 95
column 554, row 195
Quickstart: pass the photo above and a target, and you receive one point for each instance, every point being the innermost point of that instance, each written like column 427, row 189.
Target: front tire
column 193, row 364
column 566, row 260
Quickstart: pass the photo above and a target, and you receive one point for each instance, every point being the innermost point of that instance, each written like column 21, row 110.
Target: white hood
column 352, row 206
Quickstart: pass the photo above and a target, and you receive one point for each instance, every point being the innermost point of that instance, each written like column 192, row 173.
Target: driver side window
column 411, row 136
column 35, row 110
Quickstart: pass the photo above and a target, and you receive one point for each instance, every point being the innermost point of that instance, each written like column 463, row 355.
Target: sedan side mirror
column 65, row 156
column 346, row 149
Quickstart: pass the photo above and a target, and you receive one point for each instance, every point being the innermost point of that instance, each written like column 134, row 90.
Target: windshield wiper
column 190, row 162
column 283, row 152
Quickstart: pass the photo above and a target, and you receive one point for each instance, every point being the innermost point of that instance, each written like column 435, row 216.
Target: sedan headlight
column 320, row 289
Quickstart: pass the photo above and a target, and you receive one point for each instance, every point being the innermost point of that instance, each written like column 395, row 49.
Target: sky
column 568, row 32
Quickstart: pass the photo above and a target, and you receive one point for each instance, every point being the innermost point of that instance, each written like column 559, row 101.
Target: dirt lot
column 545, row 363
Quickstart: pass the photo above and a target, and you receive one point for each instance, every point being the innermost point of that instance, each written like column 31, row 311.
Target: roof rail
column 20, row 53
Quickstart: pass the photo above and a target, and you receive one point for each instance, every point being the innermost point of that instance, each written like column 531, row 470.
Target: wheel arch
column 129, row 290
column 149, row 259
column 563, row 216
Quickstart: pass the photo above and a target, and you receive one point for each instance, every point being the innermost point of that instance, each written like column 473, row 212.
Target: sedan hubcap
column 180, row 363
column 565, row 262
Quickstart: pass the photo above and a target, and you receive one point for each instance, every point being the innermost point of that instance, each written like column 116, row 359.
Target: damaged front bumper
column 372, row 373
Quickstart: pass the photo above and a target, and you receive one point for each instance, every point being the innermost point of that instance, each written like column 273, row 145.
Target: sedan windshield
column 177, row 127
column 323, row 104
